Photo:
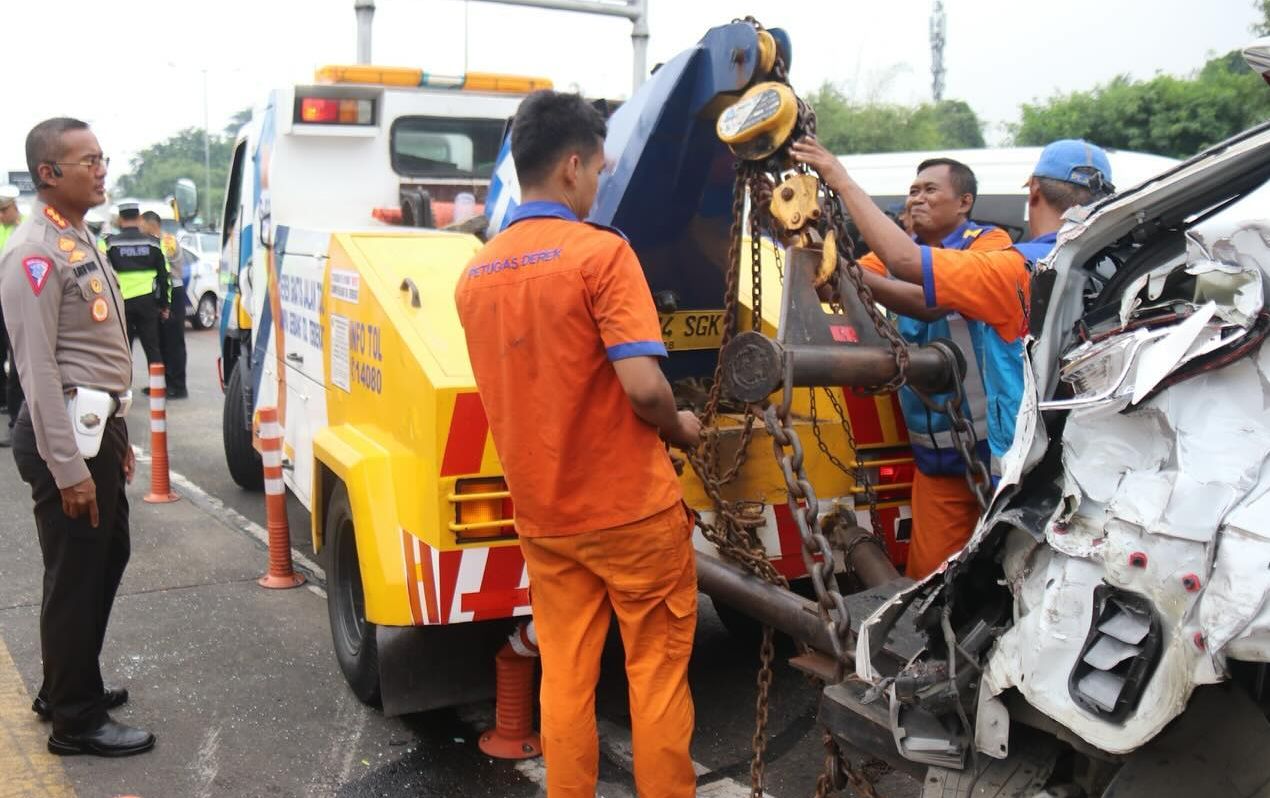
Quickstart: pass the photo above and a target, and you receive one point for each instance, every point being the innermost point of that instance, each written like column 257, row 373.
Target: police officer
column 171, row 330
column 143, row 276
column 65, row 317
column 10, row 388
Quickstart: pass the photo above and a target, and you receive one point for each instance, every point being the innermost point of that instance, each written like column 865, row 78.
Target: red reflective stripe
column 494, row 603
column 466, row 444
column 429, row 583
column 412, row 577
column 862, row 411
column 499, row 593
column 787, row 531
column 450, row 561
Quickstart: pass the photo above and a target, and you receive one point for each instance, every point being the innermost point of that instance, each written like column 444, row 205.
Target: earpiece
column 57, row 170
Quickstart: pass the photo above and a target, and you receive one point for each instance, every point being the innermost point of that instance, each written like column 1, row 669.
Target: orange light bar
column 363, row 73
column 409, row 77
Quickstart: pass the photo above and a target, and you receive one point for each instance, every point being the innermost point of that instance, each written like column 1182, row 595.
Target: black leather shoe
column 115, row 697
column 174, row 393
column 108, row 739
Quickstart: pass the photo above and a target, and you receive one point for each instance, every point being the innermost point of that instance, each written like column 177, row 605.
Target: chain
column 758, row 765
column 846, row 247
column 857, row 473
column 839, row 772
column 964, row 439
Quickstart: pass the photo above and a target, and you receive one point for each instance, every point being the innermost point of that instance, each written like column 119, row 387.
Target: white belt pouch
column 89, row 408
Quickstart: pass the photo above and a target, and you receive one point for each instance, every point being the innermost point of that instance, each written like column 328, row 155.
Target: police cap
column 129, row 209
column 8, row 195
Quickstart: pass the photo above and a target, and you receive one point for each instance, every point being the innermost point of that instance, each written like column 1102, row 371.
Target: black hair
column 1062, row 195
column 44, row 143
column 962, row 176
column 549, row 125
column 152, row 217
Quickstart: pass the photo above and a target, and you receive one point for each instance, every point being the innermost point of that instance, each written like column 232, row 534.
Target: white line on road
column 209, row 503
column 615, row 742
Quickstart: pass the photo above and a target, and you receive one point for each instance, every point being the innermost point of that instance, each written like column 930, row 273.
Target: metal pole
column 207, row 158
column 639, row 43
column 365, row 10
column 634, row 10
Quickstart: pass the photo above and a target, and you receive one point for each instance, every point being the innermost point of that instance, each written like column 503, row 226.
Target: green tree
column 1167, row 115
column 847, row 126
column 153, row 171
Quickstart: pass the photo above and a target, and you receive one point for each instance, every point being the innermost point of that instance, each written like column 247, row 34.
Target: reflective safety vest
column 1003, row 366
column 139, row 262
column 5, row 232
column 929, row 431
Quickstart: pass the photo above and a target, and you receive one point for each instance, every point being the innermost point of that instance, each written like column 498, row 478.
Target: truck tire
column 241, row 457
column 352, row 635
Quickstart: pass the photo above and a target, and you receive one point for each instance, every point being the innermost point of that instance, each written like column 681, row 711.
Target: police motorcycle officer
column 64, row 311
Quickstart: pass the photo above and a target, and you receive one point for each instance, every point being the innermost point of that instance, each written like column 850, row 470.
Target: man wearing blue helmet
column 993, row 287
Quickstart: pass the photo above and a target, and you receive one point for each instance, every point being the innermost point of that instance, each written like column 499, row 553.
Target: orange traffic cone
column 513, row 735
column 281, row 573
column 160, row 480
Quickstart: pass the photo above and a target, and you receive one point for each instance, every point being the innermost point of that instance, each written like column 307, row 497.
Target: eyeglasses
column 90, row 162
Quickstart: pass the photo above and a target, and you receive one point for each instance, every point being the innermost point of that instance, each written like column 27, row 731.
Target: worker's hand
column 81, row 498
column 129, row 465
column 809, row 151
column 164, row 313
column 687, row 431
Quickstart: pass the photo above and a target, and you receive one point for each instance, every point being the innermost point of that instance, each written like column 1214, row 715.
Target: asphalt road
column 242, row 688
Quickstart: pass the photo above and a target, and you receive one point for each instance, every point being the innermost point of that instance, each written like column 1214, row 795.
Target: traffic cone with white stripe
column 281, row 573
column 513, row 735
column 160, row 480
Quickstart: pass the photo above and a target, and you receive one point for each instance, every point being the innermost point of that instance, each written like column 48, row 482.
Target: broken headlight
column 1098, row 371
column 1119, row 655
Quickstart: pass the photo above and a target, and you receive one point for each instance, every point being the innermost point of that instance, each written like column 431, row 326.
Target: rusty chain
column 733, row 530
column 977, row 475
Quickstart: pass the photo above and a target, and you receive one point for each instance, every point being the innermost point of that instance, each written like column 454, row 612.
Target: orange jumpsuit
column 547, row 306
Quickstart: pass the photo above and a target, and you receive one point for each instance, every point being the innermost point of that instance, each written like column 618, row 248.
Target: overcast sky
column 135, row 70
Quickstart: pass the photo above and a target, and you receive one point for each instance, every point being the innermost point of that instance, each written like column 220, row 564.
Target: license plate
column 692, row 329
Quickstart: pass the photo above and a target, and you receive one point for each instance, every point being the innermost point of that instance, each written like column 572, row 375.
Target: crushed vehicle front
column 1123, row 562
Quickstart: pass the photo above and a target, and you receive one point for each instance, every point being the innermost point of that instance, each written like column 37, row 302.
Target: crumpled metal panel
column 1170, row 500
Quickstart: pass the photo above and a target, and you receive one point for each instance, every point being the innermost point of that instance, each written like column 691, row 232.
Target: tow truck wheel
column 352, row 635
column 241, row 457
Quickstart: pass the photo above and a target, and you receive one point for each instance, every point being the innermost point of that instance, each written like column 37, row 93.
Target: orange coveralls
column 547, row 306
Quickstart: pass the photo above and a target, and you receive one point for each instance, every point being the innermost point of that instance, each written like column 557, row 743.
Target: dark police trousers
column 143, row 323
column 82, row 569
column 172, row 341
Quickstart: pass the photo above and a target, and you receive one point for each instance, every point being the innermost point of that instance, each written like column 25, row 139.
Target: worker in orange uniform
column 945, row 510
column 991, row 287
column 565, row 343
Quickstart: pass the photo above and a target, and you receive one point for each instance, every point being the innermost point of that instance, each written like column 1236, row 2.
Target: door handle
column 295, row 357
column 409, row 284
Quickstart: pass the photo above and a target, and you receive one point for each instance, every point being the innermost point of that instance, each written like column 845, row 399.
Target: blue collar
column 955, row 237
column 539, row 209
column 1048, row 238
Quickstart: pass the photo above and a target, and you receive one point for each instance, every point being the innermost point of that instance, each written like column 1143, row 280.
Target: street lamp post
column 207, row 158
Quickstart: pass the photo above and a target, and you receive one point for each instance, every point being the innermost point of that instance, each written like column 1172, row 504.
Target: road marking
column 615, row 742
column 30, row 771
column 236, row 520
column 206, row 765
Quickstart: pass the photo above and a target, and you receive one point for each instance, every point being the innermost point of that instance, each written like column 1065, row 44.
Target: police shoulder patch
column 56, row 218
column 37, row 272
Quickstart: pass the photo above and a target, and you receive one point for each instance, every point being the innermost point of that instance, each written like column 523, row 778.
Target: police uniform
column 143, row 278
column 172, row 331
column 10, row 388
column 65, row 318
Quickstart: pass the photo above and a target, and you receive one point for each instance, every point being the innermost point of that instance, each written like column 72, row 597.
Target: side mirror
column 186, row 199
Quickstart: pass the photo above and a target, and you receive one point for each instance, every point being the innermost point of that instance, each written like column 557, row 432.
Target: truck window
column 437, row 147
column 229, row 215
